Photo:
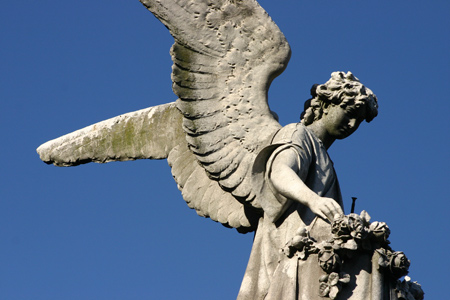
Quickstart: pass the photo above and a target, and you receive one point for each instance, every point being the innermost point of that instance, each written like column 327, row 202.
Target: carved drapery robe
column 270, row 273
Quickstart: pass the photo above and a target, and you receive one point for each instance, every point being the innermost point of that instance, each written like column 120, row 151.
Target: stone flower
column 350, row 230
column 301, row 245
column 329, row 261
column 339, row 228
column 380, row 232
column 331, row 284
column 398, row 264
column 357, row 226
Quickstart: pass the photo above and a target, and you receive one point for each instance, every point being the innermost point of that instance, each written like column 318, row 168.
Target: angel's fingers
column 330, row 215
column 327, row 212
column 338, row 209
column 322, row 215
column 333, row 207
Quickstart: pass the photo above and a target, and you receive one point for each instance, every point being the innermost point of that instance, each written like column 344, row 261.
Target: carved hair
column 342, row 89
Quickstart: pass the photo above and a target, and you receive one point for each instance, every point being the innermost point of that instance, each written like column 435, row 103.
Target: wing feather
column 226, row 54
column 153, row 133
column 145, row 134
column 205, row 195
column 198, row 127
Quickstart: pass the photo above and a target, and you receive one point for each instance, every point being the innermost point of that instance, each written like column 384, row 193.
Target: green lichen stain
column 122, row 136
column 136, row 137
column 129, row 134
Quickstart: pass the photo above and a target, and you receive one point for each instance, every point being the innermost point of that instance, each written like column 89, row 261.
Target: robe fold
column 271, row 274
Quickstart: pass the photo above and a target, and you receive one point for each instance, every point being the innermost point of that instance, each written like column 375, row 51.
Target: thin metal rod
column 353, row 204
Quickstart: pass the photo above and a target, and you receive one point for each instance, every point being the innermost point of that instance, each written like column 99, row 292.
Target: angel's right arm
column 285, row 180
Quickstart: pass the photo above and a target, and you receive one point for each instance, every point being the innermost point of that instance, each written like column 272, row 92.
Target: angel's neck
column 321, row 133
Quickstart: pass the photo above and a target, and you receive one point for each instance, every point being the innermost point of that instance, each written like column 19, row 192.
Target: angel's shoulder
column 294, row 133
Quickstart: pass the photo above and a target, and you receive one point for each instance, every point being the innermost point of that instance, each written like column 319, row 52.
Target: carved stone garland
column 351, row 234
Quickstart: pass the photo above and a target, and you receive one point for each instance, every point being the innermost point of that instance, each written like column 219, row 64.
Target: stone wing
column 152, row 133
column 225, row 56
column 149, row 133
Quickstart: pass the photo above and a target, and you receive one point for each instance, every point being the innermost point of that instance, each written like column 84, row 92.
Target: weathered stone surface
column 235, row 164
column 148, row 133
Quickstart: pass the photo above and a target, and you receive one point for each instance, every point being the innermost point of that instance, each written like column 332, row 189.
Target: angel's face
column 340, row 122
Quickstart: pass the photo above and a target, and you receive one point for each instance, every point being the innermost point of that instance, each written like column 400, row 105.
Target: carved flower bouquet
column 351, row 235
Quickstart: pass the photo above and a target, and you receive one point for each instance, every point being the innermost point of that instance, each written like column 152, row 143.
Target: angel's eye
column 351, row 112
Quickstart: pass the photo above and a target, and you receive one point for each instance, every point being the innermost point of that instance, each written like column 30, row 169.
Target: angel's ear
column 325, row 107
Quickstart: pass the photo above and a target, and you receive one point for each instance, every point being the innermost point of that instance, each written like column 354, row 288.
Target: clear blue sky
column 122, row 230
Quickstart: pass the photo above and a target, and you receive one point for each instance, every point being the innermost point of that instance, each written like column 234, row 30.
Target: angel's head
column 343, row 90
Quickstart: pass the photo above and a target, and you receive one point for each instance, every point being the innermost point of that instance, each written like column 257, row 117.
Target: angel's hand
column 326, row 208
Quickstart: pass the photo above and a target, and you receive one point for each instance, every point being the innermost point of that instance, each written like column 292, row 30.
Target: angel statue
column 233, row 161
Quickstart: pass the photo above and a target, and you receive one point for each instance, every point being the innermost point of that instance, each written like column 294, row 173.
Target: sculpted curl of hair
column 342, row 89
